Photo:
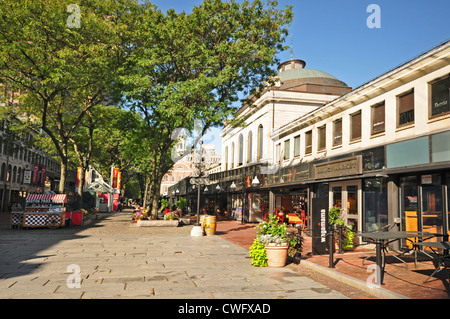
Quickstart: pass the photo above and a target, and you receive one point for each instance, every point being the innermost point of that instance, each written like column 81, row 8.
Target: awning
column 99, row 186
column 53, row 198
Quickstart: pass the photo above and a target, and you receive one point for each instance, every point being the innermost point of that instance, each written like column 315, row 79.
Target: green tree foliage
column 61, row 71
column 193, row 67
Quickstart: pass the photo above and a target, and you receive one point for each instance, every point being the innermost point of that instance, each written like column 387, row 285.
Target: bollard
column 331, row 246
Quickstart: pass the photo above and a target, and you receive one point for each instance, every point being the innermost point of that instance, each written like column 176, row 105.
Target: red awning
column 55, row 198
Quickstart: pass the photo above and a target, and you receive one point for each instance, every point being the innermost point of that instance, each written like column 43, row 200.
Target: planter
column 276, row 254
column 157, row 223
column 210, row 225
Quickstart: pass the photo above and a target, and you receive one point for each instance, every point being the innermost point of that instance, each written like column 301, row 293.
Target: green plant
column 335, row 218
column 295, row 241
column 272, row 230
column 181, row 203
column 164, row 203
column 258, row 254
column 171, row 215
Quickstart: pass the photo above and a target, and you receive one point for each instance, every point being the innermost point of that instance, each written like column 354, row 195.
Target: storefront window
column 337, row 132
column 375, row 204
column 409, row 203
column 432, row 217
column 440, row 91
column 308, row 142
column 355, row 131
column 440, row 147
column 448, row 203
column 378, row 118
column 322, row 138
column 408, row 153
column 297, row 146
column 373, row 159
column 406, row 108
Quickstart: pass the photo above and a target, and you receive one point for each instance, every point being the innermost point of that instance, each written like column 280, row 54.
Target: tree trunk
column 62, row 176
column 80, row 187
column 144, row 201
column 154, row 198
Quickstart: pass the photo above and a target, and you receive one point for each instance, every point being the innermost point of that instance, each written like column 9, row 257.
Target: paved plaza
column 112, row 259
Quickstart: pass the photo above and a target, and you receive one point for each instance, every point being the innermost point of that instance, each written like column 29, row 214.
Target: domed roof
column 303, row 74
column 292, row 74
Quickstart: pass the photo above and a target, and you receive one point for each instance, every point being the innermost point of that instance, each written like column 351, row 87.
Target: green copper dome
column 304, row 73
column 292, row 73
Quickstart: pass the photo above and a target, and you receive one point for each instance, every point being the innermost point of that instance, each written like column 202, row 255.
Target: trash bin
column 77, row 218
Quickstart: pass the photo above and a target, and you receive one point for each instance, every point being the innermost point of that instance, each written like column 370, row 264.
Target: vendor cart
column 44, row 210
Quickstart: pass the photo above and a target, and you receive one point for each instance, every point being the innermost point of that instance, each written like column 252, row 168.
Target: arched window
column 14, row 174
column 232, row 155
column 19, row 175
column 3, row 172
column 249, row 147
column 260, row 142
column 8, row 173
column 226, row 158
column 241, row 149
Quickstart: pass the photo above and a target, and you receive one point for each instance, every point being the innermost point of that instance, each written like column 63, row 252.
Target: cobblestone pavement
column 112, row 259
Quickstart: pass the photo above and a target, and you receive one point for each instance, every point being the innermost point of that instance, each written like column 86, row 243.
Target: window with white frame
column 287, row 149
column 337, row 132
column 297, row 145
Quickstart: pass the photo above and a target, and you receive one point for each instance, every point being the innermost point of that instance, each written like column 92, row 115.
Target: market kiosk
column 44, row 210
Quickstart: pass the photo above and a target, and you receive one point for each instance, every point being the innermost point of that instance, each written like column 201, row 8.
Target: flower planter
column 157, row 223
column 276, row 254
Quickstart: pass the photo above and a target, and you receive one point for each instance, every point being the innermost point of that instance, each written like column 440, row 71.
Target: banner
column 43, row 170
column 35, row 174
column 78, row 177
column 115, row 176
column 119, row 179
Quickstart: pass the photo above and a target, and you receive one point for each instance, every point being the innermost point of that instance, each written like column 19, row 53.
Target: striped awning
column 54, row 198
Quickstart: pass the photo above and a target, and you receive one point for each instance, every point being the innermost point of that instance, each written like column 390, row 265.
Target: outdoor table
column 382, row 239
column 439, row 258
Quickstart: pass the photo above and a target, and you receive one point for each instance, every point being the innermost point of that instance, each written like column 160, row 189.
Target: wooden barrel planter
column 210, row 225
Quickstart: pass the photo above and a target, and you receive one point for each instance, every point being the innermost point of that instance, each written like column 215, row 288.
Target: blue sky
column 333, row 36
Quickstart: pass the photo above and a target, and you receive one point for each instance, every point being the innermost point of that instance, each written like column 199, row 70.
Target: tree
column 99, row 139
column 193, row 67
column 62, row 71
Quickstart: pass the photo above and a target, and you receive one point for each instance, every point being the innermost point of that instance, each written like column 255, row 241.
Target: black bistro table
column 382, row 239
column 441, row 259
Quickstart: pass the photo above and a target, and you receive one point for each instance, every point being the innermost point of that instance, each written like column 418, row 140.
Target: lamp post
column 199, row 179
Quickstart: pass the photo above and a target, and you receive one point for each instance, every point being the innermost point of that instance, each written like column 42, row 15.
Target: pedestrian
column 119, row 206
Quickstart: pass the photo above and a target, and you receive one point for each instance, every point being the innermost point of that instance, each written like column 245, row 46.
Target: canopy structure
column 53, row 198
column 99, row 186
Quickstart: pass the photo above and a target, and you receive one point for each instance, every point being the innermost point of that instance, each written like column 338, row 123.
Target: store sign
column 427, row 179
column 27, row 177
column 343, row 167
column 323, row 225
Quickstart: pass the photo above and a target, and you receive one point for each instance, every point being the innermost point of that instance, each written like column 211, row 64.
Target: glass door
column 347, row 196
column 432, row 204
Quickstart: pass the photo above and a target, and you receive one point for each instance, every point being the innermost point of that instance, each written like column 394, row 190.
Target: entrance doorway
column 347, row 195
